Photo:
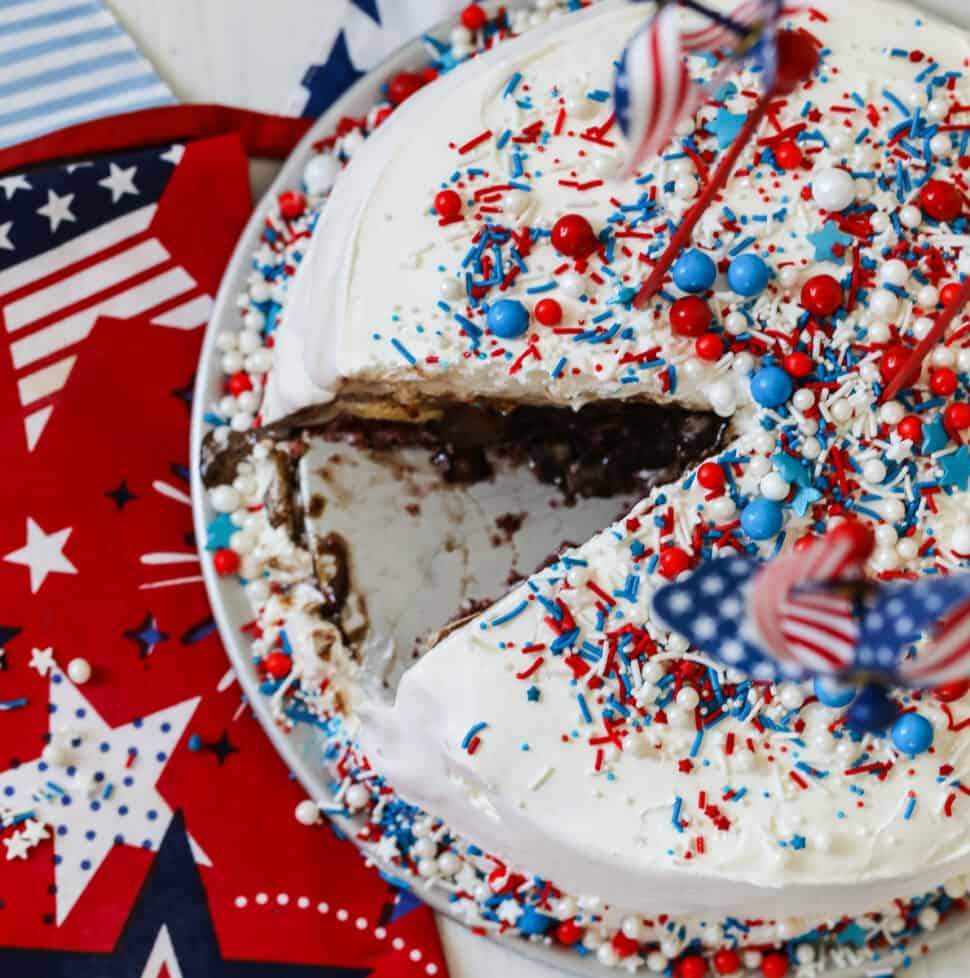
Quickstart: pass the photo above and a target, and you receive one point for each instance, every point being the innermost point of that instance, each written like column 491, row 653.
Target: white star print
column 17, row 846
column 509, row 911
column 34, row 832
column 57, row 210
column 43, row 554
column 42, row 660
column 10, row 185
column 120, row 182
column 5, row 243
column 91, row 819
column 174, row 154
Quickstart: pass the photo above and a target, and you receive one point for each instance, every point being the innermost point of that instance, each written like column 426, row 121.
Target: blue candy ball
column 771, row 387
column 508, row 318
column 912, row 734
column 762, row 518
column 748, row 275
column 831, row 692
column 871, row 711
column 694, row 271
column 532, row 922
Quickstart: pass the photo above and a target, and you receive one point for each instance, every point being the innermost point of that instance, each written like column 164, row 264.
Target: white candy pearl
column 461, row 35
column 743, row 363
column 723, row 398
column 894, row 272
column 254, row 320
column 242, row 421
column 910, row 216
column 886, row 536
column 572, row 284
column 735, row 323
column 227, row 341
column 722, row 508
column 907, row 548
column 606, row 955
column 260, row 361
column 759, row 465
column 79, row 671
column 427, row 867
column 943, row 356
column 940, row 144
column 937, row 109
column 928, row 296
column 803, row 399
column 565, row 909
column 258, row 591
column 448, row 864
column 250, row 341
column 929, row 919
column 632, row 927
column 891, row 509
column 307, row 812
column 656, row 962
column 878, row 332
column 606, row 167
column 789, row 276
column 842, row 410
column 880, row 222
column 885, row 560
column 686, row 187
column 592, row 940
column 960, row 541
column 791, row 696
column 580, row 107
column 752, row 959
column 883, row 305
column 956, row 887
column 811, row 448
column 833, row 189
column 790, row 927
column 839, row 141
column 224, row 499
column 774, row 487
column 922, row 327
column 670, row 946
column 320, row 173
column 891, row 412
column 248, row 401
column 804, row 954
column 232, row 362
column 259, row 291
column 356, row 797
column 688, row 698
column 516, row 201
column 450, row 289
column 874, row 470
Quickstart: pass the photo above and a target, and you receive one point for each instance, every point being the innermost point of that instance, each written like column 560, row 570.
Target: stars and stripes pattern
column 68, row 61
column 809, row 613
column 77, row 243
column 653, row 90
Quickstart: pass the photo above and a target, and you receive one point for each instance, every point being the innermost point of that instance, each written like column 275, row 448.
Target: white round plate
column 302, row 749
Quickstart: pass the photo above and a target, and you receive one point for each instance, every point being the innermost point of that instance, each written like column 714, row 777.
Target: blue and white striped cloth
column 68, row 61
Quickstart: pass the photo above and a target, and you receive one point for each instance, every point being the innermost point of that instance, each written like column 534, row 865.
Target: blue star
column 533, row 694
column 804, row 498
column 853, row 935
column 726, row 126
column 956, row 468
column 791, row 469
column 146, row 636
column 369, row 7
column 328, row 81
column 935, row 436
column 219, row 531
column 798, row 842
column 171, row 901
column 827, row 239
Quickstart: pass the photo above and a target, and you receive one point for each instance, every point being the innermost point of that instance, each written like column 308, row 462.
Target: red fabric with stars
column 119, row 417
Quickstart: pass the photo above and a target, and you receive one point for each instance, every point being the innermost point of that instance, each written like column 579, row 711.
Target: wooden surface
column 253, row 53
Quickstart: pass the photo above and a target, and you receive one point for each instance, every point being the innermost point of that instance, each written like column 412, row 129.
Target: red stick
column 914, row 363
column 716, row 183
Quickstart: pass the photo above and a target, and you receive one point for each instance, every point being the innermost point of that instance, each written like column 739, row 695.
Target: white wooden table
column 253, row 53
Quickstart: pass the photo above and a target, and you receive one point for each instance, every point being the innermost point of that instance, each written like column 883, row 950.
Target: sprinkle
column 512, row 84
column 13, row 704
column 541, row 778
column 675, row 818
column 472, row 736
column 399, row 346
column 476, row 141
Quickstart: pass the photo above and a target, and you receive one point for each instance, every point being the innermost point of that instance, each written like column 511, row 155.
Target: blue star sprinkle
column 826, row 240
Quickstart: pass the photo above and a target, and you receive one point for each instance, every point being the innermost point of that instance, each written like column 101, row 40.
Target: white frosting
column 378, row 254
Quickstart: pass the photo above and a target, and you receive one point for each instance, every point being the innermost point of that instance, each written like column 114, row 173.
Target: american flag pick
column 811, row 613
column 653, row 90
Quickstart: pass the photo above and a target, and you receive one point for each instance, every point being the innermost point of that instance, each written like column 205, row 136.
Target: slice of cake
column 560, row 763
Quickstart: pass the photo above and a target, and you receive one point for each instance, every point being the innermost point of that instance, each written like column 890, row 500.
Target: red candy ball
column 711, row 476
column 623, row 945
column 943, row 382
column 238, row 383
column 941, row 200
column 893, row 360
column 798, row 364
column 548, row 312
column 473, row 17
column 949, row 292
column 788, row 155
column 803, row 543
column 278, row 664
column 447, row 203
column 569, row 932
column 292, row 204
column 859, row 535
column 673, row 561
column 911, row 429
column 573, row 236
column 727, row 961
column 821, row 295
column 225, row 561
column 709, row 347
column 693, row 967
column 690, row 316
column 797, row 59
column 774, row 966
column 957, row 416
column 403, row 86
column 949, row 692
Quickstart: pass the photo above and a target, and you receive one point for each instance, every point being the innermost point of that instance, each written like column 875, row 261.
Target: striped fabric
column 67, row 61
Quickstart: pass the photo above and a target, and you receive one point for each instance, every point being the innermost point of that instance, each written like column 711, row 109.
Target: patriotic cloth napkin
column 146, row 824
column 66, row 61
column 368, row 32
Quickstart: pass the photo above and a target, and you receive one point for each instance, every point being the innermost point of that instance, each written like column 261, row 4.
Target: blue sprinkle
column 399, row 346
column 467, row 739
